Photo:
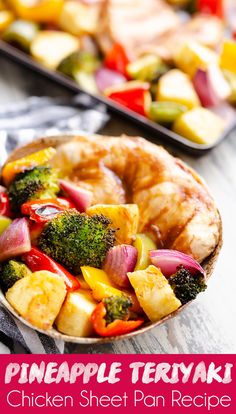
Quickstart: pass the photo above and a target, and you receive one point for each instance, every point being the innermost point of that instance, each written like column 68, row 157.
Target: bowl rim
column 208, row 264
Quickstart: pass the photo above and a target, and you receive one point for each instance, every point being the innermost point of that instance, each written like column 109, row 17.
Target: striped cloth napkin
column 20, row 123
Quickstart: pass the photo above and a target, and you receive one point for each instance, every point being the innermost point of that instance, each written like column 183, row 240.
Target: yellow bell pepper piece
column 193, row 56
column 228, row 56
column 40, row 11
column 93, row 276
column 102, row 291
column 143, row 244
column 199, row 125
column 176, row 86
column 10, row 170
column 6, row 18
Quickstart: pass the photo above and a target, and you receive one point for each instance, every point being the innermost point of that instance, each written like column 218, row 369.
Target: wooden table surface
column 207, row 325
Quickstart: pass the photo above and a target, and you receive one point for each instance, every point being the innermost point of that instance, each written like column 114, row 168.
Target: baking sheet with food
column 168, row 65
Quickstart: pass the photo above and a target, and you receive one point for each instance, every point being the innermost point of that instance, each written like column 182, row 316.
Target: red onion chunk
column 106, row 77
column 119, row 261
column 211, row 86
column 2, row 189
column 81, row 198
column 15, row 240
column 169, row 261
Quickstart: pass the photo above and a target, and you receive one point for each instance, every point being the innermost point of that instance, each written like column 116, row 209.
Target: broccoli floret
column 187, row 286
column 76, row 240
column 11, row 272
column 117, row 307
column 36, row 183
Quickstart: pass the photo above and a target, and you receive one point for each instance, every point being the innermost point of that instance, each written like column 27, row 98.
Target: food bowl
column 208, row 264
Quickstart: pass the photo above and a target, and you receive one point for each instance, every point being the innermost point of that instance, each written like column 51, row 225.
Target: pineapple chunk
column 199, row 125
column 38, row 298
column 75, row 316
column 154, row 293
column 124, row 217
column 50, row 47
column 78, row 18
column 175, row 86
column 228, row 56
column 193, row 56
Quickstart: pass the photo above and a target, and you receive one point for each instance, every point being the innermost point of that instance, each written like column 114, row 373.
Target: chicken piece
column 134, row 23
column 152, row 26
column 204, row 29
column 176, row 209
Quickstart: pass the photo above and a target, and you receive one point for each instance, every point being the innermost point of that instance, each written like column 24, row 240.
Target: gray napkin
column 20, row 123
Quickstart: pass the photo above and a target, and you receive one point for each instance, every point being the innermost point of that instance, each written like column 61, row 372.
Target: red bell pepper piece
column 5, row 208
column 117, row 59
column 42, row 211
column 35, row 231
column 117, row 327
column 36, row 260
column 133, row 95
column 215, row 7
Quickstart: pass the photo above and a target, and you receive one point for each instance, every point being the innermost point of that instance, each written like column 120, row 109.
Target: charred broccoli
column 186, row 286
column 117, row 307
column 75, row 239
column 38, row 182
column 11, row 272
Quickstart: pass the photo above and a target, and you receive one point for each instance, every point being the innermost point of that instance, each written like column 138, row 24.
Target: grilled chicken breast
column 176, row 209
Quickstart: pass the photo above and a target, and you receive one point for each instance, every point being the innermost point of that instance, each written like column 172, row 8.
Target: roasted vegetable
column 35, row 183
column 6, row 18
column 199, row 125
column 37, row 260
column 75, row 315
column 15, row 240
column 228, row 56
column 119, row 261
column 133, row 95
column 154, row 293
column 187, row 286
column 146, row 68
column 214, row 7
column 81, row 198
column 117, row 59
column 117, row 308
column 110, row 317
column 94, row 277
column 11, row 272
column 5, row 208
column 193, row 56
column 42, row 211
column 38, row 298
column 81, row 60
column 41, row 11
column 76, row 240
column 231, row 78
column 211, row 86
column 21, row 33
column 50, row 47
column 11, row 169
column 81, row 66
column 175, row 86
column 4, row 223
column 143, row 244
column 166, row 112
column 124, row 218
